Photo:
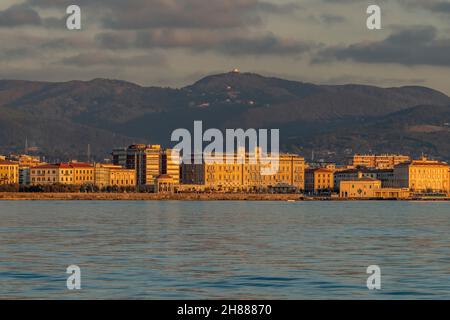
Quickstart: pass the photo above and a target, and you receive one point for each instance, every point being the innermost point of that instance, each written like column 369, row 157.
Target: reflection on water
column 233, row 250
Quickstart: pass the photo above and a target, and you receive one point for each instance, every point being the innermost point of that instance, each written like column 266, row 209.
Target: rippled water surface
column 233, row 250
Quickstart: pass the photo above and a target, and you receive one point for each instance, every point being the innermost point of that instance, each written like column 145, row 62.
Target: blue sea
column 224, row 250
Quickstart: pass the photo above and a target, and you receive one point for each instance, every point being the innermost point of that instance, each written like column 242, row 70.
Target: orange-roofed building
column 63, row 173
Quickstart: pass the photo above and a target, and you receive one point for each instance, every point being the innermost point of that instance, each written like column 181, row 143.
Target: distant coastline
column 20, row 196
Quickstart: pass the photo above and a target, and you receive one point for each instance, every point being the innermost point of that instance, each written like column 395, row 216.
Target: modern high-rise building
column 171, row 164
column 154, row 165
column 149, row 162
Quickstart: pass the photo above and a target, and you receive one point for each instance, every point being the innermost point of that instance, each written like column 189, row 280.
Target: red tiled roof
column 64, row 166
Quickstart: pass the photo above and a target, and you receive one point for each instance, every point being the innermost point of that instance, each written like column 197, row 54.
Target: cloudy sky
column 175, row 42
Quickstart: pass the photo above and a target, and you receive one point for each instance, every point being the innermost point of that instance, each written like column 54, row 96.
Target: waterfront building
column 319, row 180
column 83, row 173
column 386, row 176
column 392, row 193
column 107, row 175
column 9, row 172
column 73, row 173
column 360, row 188
column 233, row 175
column 47, row 174
column 149, row 161
column 165, row 183
column 154, row 166
column 171, row 164
column 384, row 161
column 422, row 176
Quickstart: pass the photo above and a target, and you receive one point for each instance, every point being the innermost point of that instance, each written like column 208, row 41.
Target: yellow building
column 122, row 177
column 319, row 179
column 9, row 172
column 83, row 173
column 44, row 174
column 384, row 161
column 171, row 164
column 392, row 193
column 63, row 173
column 107, row 175
column 362, row 188
column 422, row 176
column 153, row 163
column 232, row 174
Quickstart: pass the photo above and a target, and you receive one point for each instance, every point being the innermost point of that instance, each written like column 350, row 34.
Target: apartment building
column 108, row 175
column 149, row 162
column 319, row 180
column 73, row 173
column 423, row 175
column 9, row 172
column 384, row 161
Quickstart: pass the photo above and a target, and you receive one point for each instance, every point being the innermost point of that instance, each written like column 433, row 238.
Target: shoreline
column 21, row 196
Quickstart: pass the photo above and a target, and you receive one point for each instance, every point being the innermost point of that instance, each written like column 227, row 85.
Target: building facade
column 319, row 180
column 384, row 161
column 149, row 162
column 233, row 174
column 9, row 172
column 422, row 176
column 62, row 173
column 44, row 175
column 386, row 176
column 109, row 175
column 361, row 188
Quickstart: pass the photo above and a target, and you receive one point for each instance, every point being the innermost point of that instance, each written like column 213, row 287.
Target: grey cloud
column 226, row 43
column 86, row 60
column 19, row 15
column 414, row 46
column 144, row 14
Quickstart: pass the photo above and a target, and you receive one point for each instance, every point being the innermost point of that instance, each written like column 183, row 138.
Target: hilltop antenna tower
column 89, row 153
column 26, row 145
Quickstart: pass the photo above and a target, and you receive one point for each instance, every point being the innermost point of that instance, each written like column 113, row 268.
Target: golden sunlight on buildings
column 245, row 175
column 108, row 175
column 359, row 188
column 384, row 161
column 63, row 173
column 149, row 162
column 9, row 172
column 319, row 180
column 423, row 176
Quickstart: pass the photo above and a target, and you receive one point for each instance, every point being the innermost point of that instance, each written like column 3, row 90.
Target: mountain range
column 60, row 119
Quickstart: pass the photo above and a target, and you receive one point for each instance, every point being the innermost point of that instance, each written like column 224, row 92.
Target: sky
column 177, row 42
